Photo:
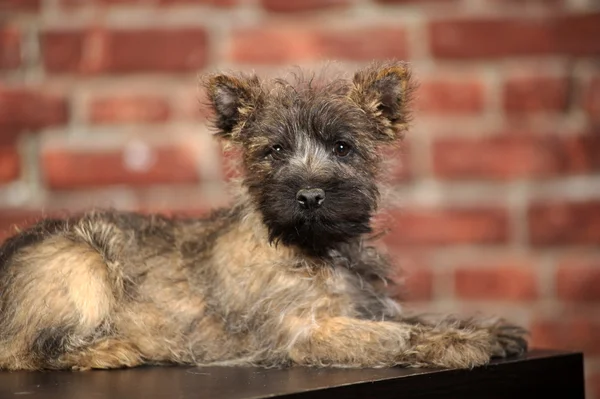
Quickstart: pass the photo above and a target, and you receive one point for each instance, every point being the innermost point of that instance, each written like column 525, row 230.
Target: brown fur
column 110, row 289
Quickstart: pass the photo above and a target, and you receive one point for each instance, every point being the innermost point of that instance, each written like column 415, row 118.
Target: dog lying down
column 282, row 277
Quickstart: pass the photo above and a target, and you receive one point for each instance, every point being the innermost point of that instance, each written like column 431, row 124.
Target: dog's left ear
column 383, row 92
column 233, row 99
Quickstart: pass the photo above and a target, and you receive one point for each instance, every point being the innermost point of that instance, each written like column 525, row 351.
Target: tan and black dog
column 282, row 277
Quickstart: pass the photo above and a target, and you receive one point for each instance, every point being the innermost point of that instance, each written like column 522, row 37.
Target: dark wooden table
column 539, row 374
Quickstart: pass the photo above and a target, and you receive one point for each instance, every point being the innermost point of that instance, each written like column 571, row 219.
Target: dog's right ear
column 233, row 99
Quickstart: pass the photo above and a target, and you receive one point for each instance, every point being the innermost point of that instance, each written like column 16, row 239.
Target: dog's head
column 311, row 149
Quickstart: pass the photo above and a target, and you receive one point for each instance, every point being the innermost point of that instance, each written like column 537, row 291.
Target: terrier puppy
column 283, row 277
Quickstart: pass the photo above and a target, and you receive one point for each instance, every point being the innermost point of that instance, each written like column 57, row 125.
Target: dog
column 285, row 276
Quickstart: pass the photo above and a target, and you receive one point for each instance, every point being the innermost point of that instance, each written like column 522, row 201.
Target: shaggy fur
column 277, row 279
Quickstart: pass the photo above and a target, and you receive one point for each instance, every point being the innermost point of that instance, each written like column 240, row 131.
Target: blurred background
column 498, row 193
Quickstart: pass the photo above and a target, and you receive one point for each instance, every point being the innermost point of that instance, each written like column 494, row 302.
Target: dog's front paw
column 508, row 339
column 461, row 349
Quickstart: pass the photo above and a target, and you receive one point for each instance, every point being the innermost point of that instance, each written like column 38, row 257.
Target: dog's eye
column 341, row 149
column 276, row 151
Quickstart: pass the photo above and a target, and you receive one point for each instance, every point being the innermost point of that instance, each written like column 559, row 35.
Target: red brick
column 129, row 109
column 445, row 97
column 231, row 164
column 414, row 285
column 593, row 385
column 123, row 51
column 578, row 34
column 535, row 94
column 449, row 226
column 578, row 334
column 193, row 104
column 498, row 37
column 558, row 3
column 400, row 172
column 301, row 5
column 10, row 219
column 62, row 51
column 418, row 2
column 564, row 223
column 580, row 153
column 155, row 50
column 21, row 5
column 9, row 164
column 397, row 168
column 10, row 48
column 412, row 279
column 419, row 285
column 515, row 156
column 578, row 280
column 79, row 3
column 284, row 44
column 591, row 103
column 73, row 169
column 24, row 109
column 217, row 3
column 488, row 38
column 510, row 280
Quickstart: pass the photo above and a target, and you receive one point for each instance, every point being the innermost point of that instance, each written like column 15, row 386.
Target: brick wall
column 499, row 195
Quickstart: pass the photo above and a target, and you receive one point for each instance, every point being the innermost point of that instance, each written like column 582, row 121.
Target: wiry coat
column 270, row 281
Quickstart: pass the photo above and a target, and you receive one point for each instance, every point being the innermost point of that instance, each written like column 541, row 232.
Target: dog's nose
column 310, row 198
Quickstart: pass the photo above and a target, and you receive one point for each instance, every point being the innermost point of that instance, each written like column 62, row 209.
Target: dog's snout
column 310, row 198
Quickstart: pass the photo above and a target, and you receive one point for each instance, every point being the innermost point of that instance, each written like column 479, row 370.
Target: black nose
column 310, row 198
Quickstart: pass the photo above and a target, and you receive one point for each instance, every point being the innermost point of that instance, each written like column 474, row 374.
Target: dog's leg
column 507, row 339
column 108, row 353
column 348, row 342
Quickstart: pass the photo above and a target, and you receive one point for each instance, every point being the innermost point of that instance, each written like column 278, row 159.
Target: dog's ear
column 233, row 99
column 383, row 91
